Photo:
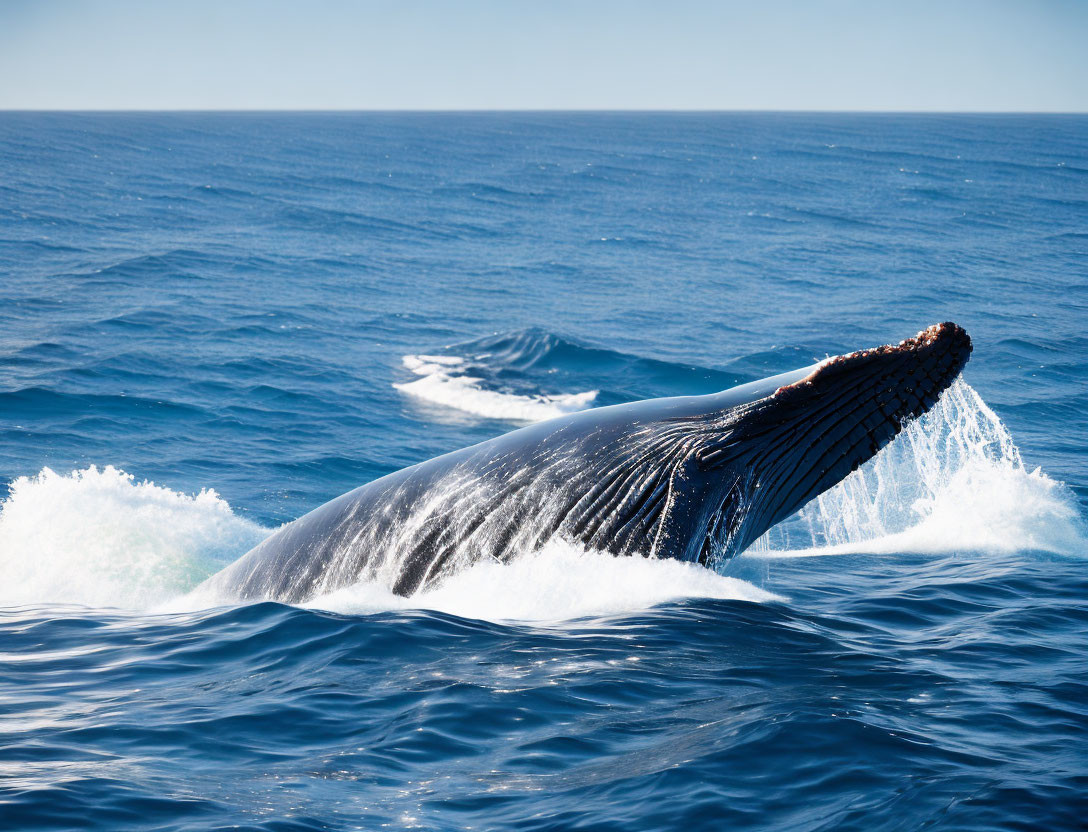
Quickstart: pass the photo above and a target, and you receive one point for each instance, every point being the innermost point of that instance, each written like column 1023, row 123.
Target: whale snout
column 903, row 379
column 868, row 395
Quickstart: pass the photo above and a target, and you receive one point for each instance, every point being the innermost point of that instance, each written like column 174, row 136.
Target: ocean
column 212, row 323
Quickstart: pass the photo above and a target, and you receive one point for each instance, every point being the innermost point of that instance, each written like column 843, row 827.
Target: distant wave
column 444, row 381
column 529, row 375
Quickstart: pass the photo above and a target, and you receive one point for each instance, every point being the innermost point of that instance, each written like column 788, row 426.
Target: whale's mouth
column 810, row 434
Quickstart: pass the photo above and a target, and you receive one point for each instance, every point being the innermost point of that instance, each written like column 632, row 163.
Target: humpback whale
column 696, row 478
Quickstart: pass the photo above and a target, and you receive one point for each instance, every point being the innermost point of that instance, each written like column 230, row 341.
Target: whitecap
column 443, row 381
column 560, row 582
column 98, row 537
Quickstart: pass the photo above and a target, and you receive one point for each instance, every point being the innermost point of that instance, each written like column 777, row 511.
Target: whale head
column 761, row 454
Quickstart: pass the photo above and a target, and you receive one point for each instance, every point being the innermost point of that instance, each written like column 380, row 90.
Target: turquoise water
column 210, row 324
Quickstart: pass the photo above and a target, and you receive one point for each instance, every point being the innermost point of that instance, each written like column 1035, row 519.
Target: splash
column 100, row 538
column 954, row 480
column 443, row 382
column 560, row 582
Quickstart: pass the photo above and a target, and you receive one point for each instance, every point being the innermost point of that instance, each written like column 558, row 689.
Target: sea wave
column 99, row 537
column 444, row 381
column 560, row 582
column 531, row 374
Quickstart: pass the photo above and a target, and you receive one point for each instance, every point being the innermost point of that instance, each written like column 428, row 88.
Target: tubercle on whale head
column 948, row 342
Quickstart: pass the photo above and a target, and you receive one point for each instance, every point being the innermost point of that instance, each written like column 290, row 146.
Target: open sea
column 212, row 323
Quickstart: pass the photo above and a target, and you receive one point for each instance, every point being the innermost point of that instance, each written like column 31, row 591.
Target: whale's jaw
column 810, row 434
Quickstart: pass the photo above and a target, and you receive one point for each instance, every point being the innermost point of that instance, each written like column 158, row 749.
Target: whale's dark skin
column 696, row 478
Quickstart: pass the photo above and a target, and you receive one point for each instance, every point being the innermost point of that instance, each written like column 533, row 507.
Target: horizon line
column 494, row 110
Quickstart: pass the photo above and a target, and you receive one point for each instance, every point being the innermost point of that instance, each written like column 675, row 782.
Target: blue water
column 202, row 322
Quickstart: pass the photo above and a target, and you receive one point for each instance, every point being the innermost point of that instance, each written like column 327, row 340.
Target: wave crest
column 526, row 376
column 100, row 538
column 560, row 582
column 444, row 380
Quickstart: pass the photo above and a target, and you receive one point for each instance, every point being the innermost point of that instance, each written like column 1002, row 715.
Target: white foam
column 954, row 481
column 560, row 582
column 100, row 538
column 443, row 384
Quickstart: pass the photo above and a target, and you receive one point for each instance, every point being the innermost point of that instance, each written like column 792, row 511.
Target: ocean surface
column 212, row 323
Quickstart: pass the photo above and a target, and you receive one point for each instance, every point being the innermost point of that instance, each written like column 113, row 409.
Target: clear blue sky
column 476, row 54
